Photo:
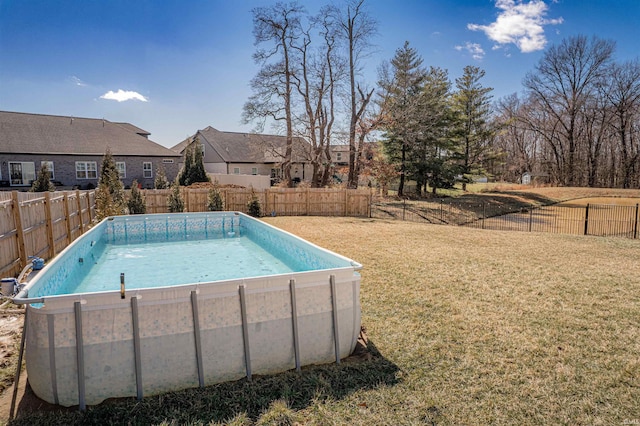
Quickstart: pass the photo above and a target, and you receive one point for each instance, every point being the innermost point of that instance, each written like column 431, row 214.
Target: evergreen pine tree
column 136, row 202
column 197, row 172
column 110, row 192
column 175, row 201
column 215, row 203
column 42, row 182
column 253, row 206
column 183, row 178
column 472, row 132
column 161, row 181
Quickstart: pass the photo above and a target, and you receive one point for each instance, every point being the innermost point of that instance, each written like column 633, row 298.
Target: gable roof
column 134, row 129
column 235, row 147
column 22, row 133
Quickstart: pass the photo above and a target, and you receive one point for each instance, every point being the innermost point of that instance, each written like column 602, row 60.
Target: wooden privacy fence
column 273, row 201
column 43, row 224
column 40, row 224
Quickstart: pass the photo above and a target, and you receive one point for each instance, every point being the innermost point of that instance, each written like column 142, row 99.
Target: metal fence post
column 404, row 207
column 635, row 225
column 586, row 220
column 530, row 218
column 484, row 213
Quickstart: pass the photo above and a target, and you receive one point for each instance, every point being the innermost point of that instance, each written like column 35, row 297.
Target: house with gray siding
column 233, row 153
column 73, row 149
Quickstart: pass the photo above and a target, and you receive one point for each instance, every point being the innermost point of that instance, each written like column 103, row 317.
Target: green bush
column 215, row 203
column 161, row 181
column 253, row 206
column 136, row 202
column 175, row 201
column 42, row 182
column 110, row 192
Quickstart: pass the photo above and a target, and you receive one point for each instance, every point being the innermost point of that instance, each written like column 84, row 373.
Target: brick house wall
column 64, row 168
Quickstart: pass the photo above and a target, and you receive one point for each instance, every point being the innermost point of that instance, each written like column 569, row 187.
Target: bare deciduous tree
column 279, row 27
column 560, row 86
column 357, row 29
column 623, row 94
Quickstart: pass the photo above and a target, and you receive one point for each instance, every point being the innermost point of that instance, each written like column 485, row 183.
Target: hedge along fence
column 273, row 201
column 40, row 224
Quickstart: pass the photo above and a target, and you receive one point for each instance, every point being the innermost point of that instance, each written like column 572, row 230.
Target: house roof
column 235, row 147
column 134, row 129
column 22, row 133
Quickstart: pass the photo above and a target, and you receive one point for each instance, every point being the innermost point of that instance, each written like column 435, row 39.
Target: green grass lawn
column 465, row 326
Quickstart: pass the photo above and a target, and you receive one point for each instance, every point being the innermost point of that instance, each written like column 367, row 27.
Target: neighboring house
column 249, row 154
column 340, row 155
column 73, row 149
column 340, row 161
column 529, row 178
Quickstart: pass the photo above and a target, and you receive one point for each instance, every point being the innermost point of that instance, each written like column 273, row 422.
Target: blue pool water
column 171, row 263
column 168, row 250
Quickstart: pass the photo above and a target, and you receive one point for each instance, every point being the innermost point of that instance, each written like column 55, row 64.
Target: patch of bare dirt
column 11, row 321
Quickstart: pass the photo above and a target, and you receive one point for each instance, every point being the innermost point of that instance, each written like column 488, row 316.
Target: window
column 338, row 156
column 236, row 170
column 22, row 173
column 147, row 170
column 86, row 170
column 254, row 170
column 121, row 167
column 167, row 160
column 49, row 164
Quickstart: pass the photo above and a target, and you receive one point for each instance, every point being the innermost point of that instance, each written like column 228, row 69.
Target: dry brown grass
column 559, row 194
column 474, row 327
column 492, row 327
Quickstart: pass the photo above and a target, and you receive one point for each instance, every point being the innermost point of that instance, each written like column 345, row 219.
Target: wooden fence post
column 265, row 210
column 19, row 230
column 79, row 203
column 49, row 224
column 89, row 206
column 66, row 216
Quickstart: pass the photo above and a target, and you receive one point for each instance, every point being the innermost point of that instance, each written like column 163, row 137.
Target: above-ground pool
column 146, row 304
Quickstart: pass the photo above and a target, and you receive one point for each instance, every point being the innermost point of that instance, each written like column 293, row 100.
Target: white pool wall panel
column 168, row 358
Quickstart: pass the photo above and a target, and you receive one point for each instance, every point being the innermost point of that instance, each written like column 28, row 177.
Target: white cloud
column 519, row 23
column 123, row 95
column 477, row 52
column 75, row 80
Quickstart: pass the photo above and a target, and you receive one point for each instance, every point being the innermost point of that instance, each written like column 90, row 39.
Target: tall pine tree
column 110, row 192
column 472, row 132
column 400, row 105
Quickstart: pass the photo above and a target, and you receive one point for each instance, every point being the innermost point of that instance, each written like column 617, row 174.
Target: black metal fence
column 592, row 219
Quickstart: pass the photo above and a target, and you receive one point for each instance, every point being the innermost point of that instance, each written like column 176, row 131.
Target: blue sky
column 175, row 66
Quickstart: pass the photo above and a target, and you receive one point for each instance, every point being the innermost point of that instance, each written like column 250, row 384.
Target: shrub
column 215, row 204
column 175, row 201
column 136, row 202
column 253, row 206
column 110, row 192
column 193, row 170
column 160, row 182
column 42, row 182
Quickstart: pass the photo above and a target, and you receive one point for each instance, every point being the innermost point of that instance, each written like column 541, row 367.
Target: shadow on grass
column 365, row 369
